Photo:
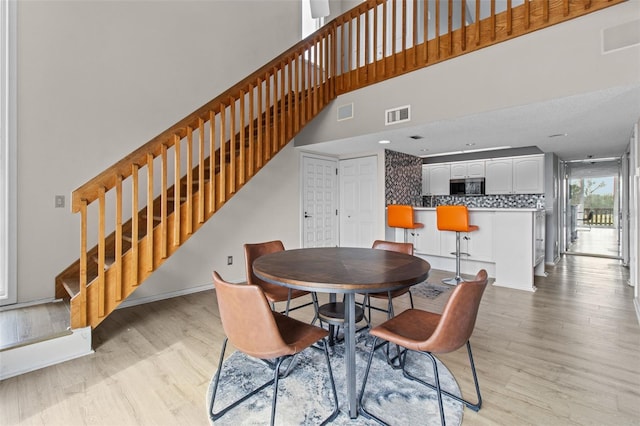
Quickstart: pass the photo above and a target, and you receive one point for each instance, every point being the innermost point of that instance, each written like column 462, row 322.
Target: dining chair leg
column 361, row 408
column 390, row 313
column 473, row 406
column 286, row 311
column 336, row 410
column 478, row 405
column 394, row 361
column 214, row 416
column 434, row 362
column 369, row 318
column 276, row 377
column 316, row 306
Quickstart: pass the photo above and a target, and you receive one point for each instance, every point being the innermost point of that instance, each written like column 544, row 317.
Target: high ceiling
column 586, row 126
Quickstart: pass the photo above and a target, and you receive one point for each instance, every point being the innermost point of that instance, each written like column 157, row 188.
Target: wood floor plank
column 564, row 355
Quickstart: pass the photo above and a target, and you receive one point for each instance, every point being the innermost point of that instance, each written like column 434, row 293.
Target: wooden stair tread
column 71, row 284
column 108, row 261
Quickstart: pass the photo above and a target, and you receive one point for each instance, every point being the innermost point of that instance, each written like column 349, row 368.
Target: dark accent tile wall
column 403, row 178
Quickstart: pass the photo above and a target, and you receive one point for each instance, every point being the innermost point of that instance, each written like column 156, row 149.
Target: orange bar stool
column 454, row 218
column 401, row 216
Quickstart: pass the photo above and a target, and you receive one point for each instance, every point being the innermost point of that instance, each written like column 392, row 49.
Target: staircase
column 138, row 212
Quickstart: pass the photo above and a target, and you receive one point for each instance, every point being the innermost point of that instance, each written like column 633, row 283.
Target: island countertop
column 509, row 244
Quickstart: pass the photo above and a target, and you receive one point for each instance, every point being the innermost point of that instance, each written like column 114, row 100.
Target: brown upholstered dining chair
column 406, row 248
column 273, row 292
column 254, row 329
column 429, row 333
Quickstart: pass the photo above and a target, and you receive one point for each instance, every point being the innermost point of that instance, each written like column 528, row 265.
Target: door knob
column 306, row 215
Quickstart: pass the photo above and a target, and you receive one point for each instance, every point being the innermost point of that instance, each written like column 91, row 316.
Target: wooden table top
column 341, row 269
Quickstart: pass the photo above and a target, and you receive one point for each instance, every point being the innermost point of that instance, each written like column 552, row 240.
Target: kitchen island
column 509, row 244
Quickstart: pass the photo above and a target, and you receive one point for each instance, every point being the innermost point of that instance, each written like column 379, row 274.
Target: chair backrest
column 459, row 316
column 254, row 251
column 400, row 216
column 452, row 218
column 406, row 248
column 248, row 321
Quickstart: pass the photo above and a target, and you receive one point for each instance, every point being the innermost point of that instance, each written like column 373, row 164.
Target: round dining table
column 346, row 270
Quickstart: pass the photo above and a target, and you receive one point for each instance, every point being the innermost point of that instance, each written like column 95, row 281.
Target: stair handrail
column 107, row 178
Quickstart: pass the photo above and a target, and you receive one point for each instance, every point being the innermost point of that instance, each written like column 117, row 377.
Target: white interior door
column 319, row 201
column 358, row 191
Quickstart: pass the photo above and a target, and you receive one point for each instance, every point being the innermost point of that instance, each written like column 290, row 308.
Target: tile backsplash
column 521, row 201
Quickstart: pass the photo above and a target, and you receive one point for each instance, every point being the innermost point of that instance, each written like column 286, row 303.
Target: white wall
column 634, row 202
column 267, row 208
column 97, row 79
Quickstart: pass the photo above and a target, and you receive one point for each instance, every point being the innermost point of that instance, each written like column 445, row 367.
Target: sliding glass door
column 593, row 208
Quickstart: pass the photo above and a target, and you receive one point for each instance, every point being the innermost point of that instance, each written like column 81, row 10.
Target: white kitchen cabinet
column 528, row 174
column 509, row 244
column 478, row 245
column 438, row 180
column 467, row 169
column 428, row 238
column 481, row 241
column 515, row 249
column 515, row 175
column 499, row 176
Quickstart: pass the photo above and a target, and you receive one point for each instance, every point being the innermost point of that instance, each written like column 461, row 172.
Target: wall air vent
column 621, row 36
column 345, row 112
column 397, row 115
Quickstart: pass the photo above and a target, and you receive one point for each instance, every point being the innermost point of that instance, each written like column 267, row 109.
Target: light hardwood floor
column 596, row 240
column 568, row 354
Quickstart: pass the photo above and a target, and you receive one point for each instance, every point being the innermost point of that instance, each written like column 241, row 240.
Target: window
column 309, row 24
column 7, row 152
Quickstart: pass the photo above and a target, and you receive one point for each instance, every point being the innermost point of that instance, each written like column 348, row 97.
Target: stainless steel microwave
column 472, row 186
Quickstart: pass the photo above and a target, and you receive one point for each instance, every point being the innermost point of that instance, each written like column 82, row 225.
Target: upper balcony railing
column 380, row 39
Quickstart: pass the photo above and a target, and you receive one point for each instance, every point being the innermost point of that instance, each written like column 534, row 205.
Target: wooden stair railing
column 139, row 211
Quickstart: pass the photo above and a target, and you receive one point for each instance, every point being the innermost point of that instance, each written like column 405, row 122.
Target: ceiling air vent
column 397, row 115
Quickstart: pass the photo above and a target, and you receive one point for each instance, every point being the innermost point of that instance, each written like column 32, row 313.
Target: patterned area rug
column 304, row 396
column 430, row 290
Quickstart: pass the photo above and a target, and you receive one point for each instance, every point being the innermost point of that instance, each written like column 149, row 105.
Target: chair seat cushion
column 297, row 334
column 409, row 329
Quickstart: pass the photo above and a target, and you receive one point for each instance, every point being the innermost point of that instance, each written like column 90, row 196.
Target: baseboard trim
column 27, row 304
column 157, row 297
column 44, row 353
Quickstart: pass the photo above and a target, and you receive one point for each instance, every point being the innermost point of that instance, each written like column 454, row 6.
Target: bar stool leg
column 455, row 280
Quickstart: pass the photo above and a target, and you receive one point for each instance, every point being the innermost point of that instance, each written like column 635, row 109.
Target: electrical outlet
column 229, row 260
column 59, row 202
